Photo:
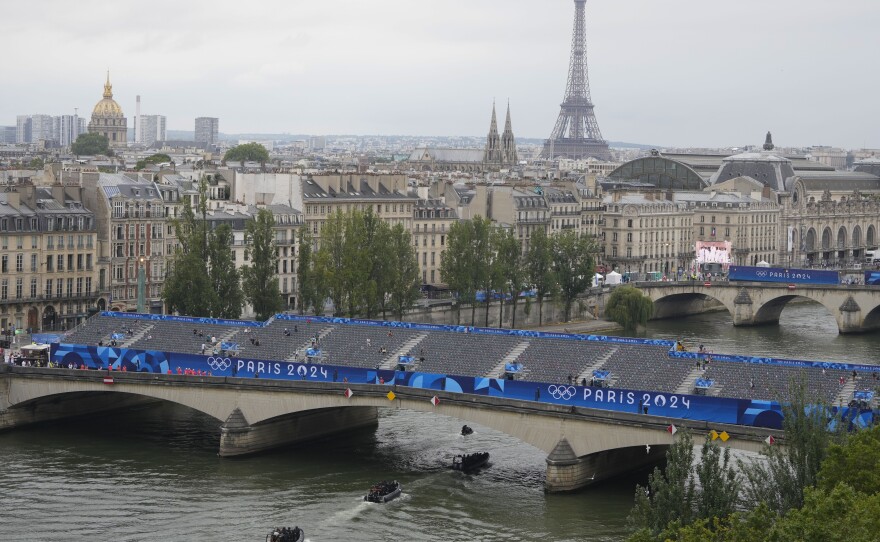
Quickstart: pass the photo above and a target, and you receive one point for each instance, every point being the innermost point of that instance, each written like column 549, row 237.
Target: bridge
column 597, row 405
column 856, row 308
column 584, row 445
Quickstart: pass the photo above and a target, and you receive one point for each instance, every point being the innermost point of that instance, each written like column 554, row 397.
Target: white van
column 872, row 256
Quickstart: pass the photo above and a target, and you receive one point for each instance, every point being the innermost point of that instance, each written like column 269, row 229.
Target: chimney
column 14, row 199
column 58, row 193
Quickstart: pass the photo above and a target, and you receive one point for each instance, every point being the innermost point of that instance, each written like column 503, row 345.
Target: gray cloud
column 679, row 72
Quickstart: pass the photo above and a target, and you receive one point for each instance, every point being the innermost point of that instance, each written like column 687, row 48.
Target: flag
column 671, row 429
column 435, row 400
column 348, row 393
column 770, row 440
column 108, row 380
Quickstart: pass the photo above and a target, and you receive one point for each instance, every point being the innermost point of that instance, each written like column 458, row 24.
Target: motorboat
column 286, row 534
column 470, row 462
column 466, row 430
column 383, row 492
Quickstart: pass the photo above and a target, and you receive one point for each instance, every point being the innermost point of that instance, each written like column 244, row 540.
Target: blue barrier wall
column 778, row 274
column 672, row 405
column 872, row 278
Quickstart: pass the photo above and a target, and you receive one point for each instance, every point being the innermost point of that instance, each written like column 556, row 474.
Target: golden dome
column 107, row 107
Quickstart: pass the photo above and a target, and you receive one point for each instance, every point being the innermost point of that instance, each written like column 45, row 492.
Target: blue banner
column 184, row 319
column 778, row 274
column 872, row 278
column 228, row 346
column 672, row 405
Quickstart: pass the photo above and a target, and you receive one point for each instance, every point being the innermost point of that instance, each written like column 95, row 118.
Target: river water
column 152, row 473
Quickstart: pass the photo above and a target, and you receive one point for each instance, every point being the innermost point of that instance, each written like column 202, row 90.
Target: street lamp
column 142, row 279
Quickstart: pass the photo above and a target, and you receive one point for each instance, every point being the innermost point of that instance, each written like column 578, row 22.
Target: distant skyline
column 676, row 73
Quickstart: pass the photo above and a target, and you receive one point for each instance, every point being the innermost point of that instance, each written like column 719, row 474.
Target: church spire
column 508, row 145
column 492, row 153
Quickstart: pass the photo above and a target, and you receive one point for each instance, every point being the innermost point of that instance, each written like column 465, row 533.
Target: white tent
column 612, row 278
column 598, row 279
column 762, row 263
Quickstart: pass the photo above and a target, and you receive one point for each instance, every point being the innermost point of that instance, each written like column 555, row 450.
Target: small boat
column 286, row 534
column 466, row 430
column 383, row 492
column 470, row 462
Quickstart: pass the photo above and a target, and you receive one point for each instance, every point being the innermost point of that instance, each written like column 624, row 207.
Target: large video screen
column 713, row 252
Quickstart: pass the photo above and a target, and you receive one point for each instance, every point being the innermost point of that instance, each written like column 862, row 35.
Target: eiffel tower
column 576, row 134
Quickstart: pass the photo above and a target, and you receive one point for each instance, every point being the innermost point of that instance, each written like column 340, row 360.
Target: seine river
column 152, row 474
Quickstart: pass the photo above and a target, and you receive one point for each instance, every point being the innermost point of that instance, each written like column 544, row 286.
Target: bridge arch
column 770, row 311
column 673, row 305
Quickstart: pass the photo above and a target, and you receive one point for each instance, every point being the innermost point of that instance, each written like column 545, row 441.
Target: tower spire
column 508, row 145
column 576, row 133
column 492, row 152
column 108, row 88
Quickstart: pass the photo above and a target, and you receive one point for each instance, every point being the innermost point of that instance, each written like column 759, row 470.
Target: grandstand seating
column 772, row 382
column 632, row 366
column 347, row 345
column 274, row 344
column 99, row 328
column 465, row 354
column 554, row 360
column 644, row 367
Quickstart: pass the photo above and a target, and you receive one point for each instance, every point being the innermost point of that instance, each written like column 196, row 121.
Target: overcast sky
column 670, row 72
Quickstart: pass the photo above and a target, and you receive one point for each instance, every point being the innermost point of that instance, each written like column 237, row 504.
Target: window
column 19, row 262
column 4, row 289
column 69, row 287
column 48, row 287
column 33, row 287
column 70, row 262
column 79, row 286
column 88, row 262
column 88, row 284
column 60, row 262
column 4, row 266
column 33, row 263
column 59, row 290
column 19, row 287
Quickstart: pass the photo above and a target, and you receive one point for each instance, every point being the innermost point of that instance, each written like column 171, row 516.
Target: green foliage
column 572, row 266
column 404, row 274
column 187, row 289
column 671, row 493
column 856, row 463
column 482, row 257
column 781, row 479
column 509, row 269
column 629, row 307
column 837, row 515
column 159, row 158
column 305, row 275
column 36, row 163
column 247, row 152
column 91, row 144
column 673, row 498
column 203, row 280
column 456, row 262
column 364, row 266
column 539, row 267
column 259, row 279
column 225, row 280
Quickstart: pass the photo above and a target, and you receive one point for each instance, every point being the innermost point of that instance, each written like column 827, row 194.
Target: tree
column 405, row 287
column 260, row 282
column 187, row 289
column 225, row 281
column 247, row 152
column 672, row 497
column 36, row 163
column 837, row 515
column 330, row 261
column 158, row 158
column 455, row 263
column 305, row 275
column 509, row 268
column 482, row 256
column 539, row 267
column 780, row 480
column 671, row 493
column 855, row 463
column 572, row 266
column 91, row 144
column 629, row 307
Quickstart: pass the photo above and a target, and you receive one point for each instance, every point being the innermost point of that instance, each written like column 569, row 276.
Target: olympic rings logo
column 760, row 273
column 219, row 364
column 561, row 392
